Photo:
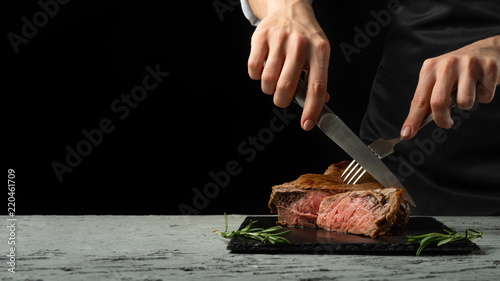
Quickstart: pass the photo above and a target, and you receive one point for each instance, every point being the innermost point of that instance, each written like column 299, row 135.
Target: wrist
column 495, row 41
column 292, row 8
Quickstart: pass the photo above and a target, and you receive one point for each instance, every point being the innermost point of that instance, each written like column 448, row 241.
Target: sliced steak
column 368, row 212
column 297, row 202
column 315, row 200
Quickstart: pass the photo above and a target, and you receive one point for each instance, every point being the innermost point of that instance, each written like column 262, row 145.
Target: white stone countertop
column 185, row 248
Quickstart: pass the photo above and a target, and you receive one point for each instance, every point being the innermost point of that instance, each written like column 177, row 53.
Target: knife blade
column 345, row 138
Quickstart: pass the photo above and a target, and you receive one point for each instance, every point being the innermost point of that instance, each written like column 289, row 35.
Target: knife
column 338, row 131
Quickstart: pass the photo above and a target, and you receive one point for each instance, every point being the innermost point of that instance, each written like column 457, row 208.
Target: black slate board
column 319, row 241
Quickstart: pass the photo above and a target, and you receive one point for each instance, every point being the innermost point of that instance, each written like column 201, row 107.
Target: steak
column 372, row 213
column 298, row 203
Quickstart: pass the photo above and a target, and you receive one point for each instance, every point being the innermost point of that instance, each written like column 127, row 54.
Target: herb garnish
column 260, row 234
column 441, row 239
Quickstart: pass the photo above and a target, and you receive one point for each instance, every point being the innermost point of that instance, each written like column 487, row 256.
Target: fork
column 382, row 148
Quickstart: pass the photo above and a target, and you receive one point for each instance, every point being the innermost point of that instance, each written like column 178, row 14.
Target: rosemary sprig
column 260, row 234
column 441, row 239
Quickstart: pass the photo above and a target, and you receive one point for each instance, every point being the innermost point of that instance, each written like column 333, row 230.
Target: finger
column 327, row 97
column 272, row 70
column 306, row 77
column 258, row 54
column 419, row 107
column 316, row 93
column 287, row 83
column 440, row 101
column 466, row 91
column 274, row 63
column 487, row 83
column 290, row 74
column 485, row 94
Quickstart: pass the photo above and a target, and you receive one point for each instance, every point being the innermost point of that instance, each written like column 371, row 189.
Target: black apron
column 447, row 172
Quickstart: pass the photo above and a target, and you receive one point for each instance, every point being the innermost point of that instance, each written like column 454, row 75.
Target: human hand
column 473, row 71
column 287, row 41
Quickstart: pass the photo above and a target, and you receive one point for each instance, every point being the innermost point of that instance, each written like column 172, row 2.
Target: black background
column 66, row 77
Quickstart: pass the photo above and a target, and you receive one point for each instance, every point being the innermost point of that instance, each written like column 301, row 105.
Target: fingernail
column 308, row 125
column 406, row 132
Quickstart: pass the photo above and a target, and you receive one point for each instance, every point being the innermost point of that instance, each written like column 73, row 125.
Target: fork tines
column 357, row 169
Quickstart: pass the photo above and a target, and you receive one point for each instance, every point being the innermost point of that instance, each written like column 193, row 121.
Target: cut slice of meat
column 297, row 202
column 369, row 212
column 315, row 200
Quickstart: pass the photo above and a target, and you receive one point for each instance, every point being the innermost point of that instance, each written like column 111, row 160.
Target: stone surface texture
column 186, row 248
